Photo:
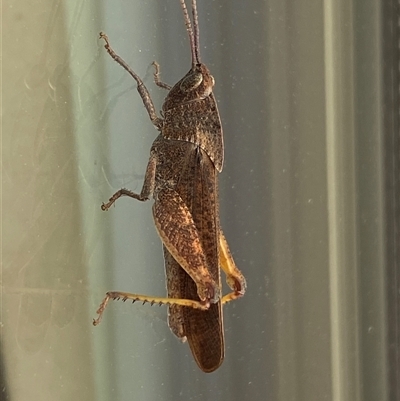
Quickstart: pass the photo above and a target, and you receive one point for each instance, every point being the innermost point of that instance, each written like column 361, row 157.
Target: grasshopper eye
column 192, row 81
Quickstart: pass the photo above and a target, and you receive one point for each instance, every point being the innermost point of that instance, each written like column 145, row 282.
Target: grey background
column 308, row 98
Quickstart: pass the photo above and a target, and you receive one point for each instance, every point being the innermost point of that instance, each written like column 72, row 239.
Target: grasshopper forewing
column 181, row 176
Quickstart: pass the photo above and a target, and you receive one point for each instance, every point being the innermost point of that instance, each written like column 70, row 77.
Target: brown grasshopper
column 181, row 176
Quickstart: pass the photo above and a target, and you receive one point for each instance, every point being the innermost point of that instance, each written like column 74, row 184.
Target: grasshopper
column 181, row 176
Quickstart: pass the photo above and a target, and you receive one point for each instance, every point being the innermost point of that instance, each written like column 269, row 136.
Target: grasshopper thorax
column 191, row 114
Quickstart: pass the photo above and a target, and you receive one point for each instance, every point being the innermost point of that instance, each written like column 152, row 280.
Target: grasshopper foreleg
column 157, row 79
column 141, row 87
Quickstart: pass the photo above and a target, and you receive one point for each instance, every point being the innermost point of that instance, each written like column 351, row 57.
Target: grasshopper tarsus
column 156, row 76
column 100, row 310
column 232, row 296
column 102, row 35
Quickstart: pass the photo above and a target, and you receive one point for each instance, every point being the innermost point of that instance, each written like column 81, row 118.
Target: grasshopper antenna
column 196, row 35
column 192, row 31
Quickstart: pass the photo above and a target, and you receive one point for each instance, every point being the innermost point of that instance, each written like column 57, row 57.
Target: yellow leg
column 146, row 299
column 231, row 297
column 234, row 277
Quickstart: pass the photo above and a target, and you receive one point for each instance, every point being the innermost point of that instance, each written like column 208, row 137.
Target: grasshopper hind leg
column 124, row 296
column 234, row 277
column 178, row 232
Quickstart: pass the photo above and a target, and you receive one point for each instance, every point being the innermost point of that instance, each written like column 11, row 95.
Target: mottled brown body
column 181, row 176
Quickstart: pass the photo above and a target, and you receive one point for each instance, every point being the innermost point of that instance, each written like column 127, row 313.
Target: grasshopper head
column 195, row 86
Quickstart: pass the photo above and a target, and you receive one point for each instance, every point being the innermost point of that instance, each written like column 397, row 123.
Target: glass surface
column 308, row 94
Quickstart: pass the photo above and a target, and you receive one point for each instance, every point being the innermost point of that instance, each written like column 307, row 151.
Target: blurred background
column 309, row 99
